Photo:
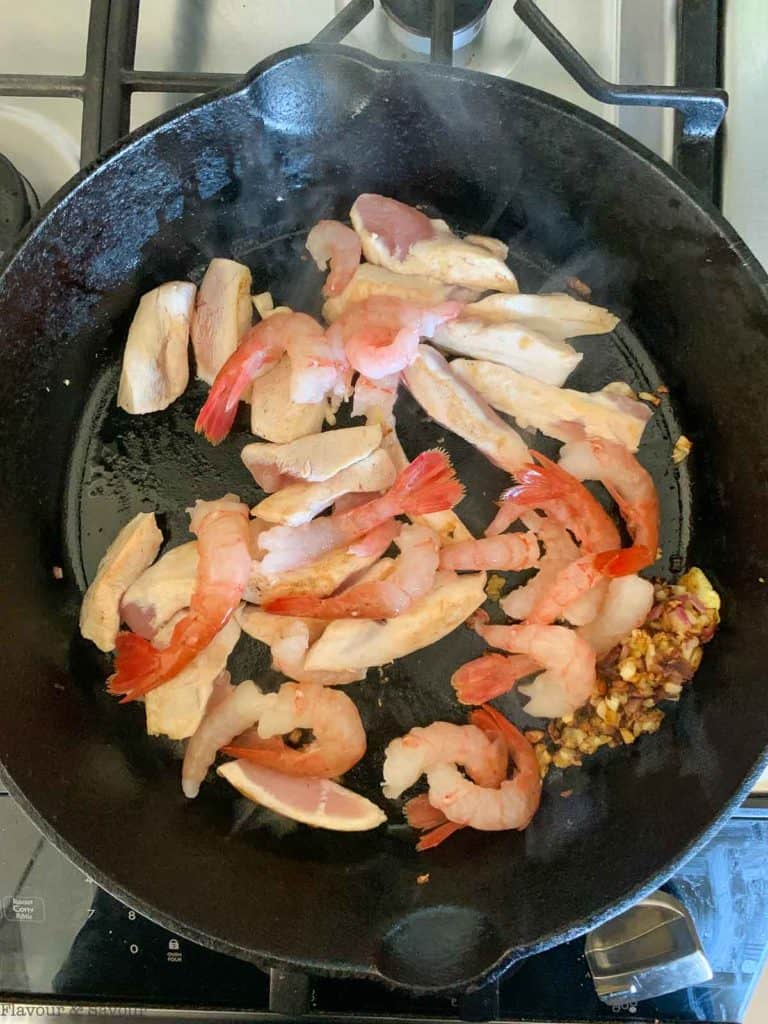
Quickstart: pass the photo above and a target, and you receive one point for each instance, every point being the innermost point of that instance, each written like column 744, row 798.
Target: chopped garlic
column 682, row 449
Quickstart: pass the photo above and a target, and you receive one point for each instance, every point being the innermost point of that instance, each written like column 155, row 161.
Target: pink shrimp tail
column 250, row 747
column 489, row 676
column 218, row 413
column 301, row 605
column 438, row 835
column 520, row 748
column 137, row 663
column 420, row 814
column 428, row 484
column 377, row 540
column 535, row 484
column 624, row 561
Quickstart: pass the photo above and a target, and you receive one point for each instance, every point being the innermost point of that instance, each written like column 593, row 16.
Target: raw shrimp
column 428, row 484
column 331, row 241
column 550, row 488
column 584, row 576
column 397, row 225
column 338, row 735
column 559, row 551
column 318, row 367
column 408, row 757
column 568, row 660
column 261, row 348
column 508, row 552
column 381, row 335
column 224, row 567
column 234, row 710
column 421, row 815
column 510, row 806
column 629, row 484
column 411, row 577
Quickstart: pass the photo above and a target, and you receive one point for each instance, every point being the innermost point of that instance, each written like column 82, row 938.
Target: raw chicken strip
column 268, row 628
column 322, row 577
column 557, row 315
column 446, row 524
column 457, row 406
column 493, row 245
column 156, row 359
column 176, row 709
column 298, row 503
column 275, row 416
column 222, row 315
column 126, row 558
column 518, row 347
column 314, row 457
column 320, row 803
column 161, row 591
column 370, row 280
column 556, row 412
column 378, row 221
column 627, row 603
column 289, row 638
column 357, row 643
column 375, row 399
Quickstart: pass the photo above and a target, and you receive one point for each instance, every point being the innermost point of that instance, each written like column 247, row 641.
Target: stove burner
column 17, row 203
column 411, row 21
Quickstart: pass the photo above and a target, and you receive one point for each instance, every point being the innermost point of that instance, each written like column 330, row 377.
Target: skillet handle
column 701, row 111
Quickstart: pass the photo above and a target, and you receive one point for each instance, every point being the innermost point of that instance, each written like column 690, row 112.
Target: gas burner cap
column 17, row 203
column 411, row 21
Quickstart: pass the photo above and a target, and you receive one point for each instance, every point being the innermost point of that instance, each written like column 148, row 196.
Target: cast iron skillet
column 245, row 174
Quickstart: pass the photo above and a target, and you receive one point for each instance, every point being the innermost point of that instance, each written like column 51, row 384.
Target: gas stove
column 76, row 76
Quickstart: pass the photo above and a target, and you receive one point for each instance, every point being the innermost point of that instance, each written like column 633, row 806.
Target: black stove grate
column 110, row 78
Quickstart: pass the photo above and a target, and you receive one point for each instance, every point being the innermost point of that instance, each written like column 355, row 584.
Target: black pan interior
column 245, row 176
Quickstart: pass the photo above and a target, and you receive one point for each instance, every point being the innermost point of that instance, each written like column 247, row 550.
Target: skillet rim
column 750, row 265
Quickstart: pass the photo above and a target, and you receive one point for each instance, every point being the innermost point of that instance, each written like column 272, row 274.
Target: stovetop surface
column 62, row 938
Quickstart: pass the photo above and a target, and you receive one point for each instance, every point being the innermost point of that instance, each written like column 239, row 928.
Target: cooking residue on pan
column 351, row 555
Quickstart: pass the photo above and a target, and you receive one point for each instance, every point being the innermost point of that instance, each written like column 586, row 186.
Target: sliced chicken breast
column 314, row 457
column 556, row 412
column 457, row 406
column 268, row 628
column 275, row 416
column 289, row 638
column 318, row 579
column 222, row 315
column 443, row 256
column 370, row 279
column 358, row 643
column 509, row 344
column 156, row 358
column 298, row 503
column 126, row 558
column 557, row 315
column 161, row 591
column 176, row 708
